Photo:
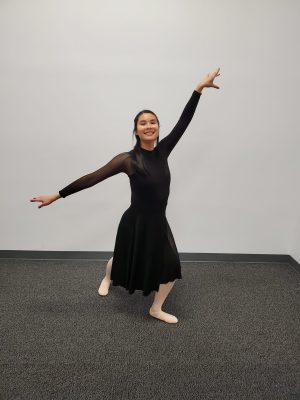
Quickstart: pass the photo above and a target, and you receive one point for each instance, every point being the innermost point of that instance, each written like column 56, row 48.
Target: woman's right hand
column 45, row 200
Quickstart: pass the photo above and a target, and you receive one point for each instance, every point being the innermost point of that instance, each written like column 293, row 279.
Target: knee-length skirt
column 145, row 254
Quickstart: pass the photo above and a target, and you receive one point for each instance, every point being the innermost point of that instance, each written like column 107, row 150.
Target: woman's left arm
column 170, row 141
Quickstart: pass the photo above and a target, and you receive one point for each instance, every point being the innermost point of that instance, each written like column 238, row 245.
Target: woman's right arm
column 118, row 164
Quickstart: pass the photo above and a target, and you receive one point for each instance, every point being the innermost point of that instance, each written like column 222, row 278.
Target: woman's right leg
column 104, row 286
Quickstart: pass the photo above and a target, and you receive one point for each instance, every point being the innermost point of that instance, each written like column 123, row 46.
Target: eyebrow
column 143, row 120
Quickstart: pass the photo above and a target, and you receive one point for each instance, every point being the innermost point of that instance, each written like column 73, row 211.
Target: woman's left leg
column 159, row 298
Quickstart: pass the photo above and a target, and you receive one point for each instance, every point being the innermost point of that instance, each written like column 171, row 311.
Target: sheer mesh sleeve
column 169, row 142
column 120, row 163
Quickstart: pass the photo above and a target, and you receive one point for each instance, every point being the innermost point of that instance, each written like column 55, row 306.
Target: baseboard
column 105, row 255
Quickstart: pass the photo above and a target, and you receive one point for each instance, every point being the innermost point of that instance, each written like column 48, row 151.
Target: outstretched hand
column 45, row 200
column 208, row 81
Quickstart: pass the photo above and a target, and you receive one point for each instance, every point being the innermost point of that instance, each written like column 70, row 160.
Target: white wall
column 75, row 73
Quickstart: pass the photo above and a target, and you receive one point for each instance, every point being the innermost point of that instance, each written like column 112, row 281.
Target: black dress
column 145, row 253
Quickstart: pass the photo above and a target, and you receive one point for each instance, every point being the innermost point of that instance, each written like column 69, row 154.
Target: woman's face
column 147, row 127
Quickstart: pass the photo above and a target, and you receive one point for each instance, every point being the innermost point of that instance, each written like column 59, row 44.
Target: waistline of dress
column 149, row 208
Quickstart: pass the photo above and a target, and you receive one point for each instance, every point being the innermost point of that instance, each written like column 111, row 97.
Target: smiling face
column 147, row 128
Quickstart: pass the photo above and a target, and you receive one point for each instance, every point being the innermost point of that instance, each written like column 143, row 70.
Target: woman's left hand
column 208, row 81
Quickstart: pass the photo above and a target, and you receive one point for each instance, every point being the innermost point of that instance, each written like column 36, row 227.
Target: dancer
column 145, row 255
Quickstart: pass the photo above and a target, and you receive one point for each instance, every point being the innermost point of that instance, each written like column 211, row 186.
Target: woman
column 145, row 255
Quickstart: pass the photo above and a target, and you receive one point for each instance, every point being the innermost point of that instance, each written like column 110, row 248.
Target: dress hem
column 145, row 293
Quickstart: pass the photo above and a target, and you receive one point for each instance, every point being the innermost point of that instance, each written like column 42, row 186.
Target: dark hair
column 137, row 146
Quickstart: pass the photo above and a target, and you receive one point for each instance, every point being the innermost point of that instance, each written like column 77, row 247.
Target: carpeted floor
column 237, row 336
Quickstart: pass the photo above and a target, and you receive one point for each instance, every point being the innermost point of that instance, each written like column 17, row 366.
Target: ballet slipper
column 163, row 316
column 104, row 287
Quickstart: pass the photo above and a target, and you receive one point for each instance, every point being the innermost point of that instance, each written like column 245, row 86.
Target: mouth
column 149, row 133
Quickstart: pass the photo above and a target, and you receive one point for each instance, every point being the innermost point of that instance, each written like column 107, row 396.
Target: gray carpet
column 237, row 336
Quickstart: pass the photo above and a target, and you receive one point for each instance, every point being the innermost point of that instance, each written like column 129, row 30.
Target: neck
column 147, row 146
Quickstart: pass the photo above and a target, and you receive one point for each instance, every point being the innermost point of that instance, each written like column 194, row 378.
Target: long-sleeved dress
column 145, row 253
